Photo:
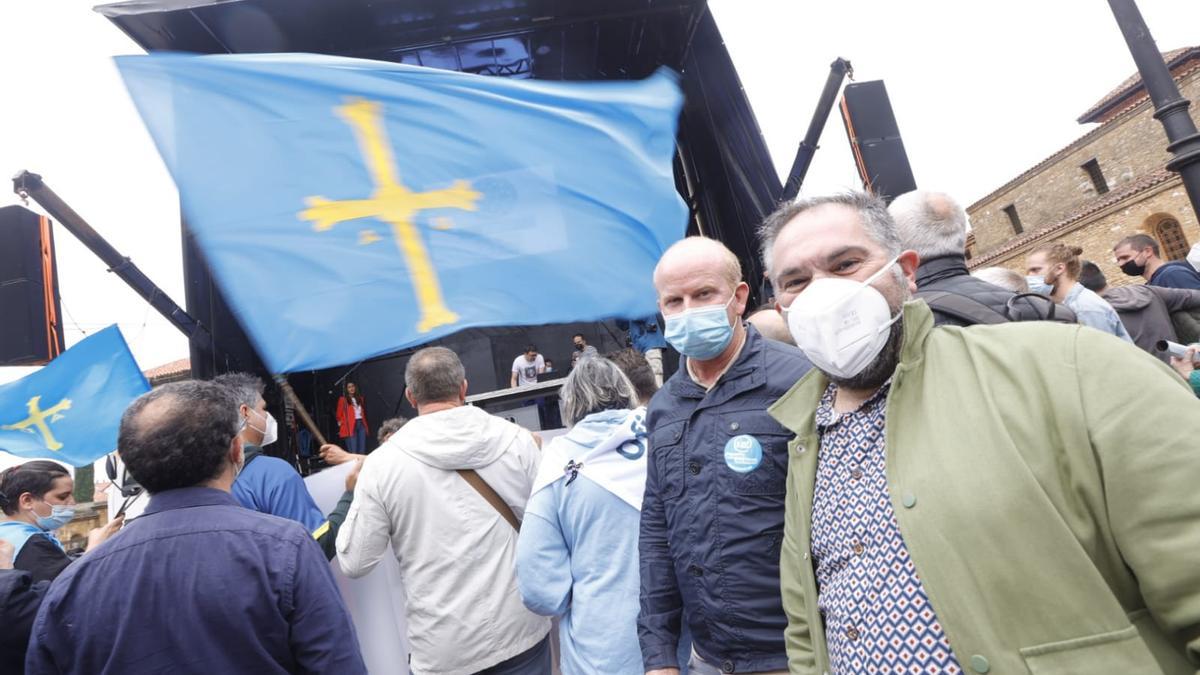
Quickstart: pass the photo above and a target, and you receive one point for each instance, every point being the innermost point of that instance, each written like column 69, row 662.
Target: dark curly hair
column 37, row 478
column 178, row 435
column 638, row 370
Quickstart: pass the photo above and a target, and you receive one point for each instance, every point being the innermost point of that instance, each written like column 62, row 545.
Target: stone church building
column 1110, row 183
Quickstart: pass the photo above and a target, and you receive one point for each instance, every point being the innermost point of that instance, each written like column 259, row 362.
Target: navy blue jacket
column 1176, row 274
column 712, row 517
column 20, row 598
column 197, row 584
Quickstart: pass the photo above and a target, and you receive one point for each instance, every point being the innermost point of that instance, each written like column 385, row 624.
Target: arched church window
column 1174, row 243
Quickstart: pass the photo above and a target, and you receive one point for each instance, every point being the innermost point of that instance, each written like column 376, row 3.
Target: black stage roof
column 723, row 170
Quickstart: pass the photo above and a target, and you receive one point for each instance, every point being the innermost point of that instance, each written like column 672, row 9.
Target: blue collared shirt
column 1092, row 310
column 197, row 584
column 271, row 485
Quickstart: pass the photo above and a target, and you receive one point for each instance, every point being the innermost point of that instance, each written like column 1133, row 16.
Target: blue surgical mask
column 700, row 332
column 60, row 514
column 1037, row 284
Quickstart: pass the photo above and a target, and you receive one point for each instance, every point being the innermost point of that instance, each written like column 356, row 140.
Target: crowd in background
column 892, row 465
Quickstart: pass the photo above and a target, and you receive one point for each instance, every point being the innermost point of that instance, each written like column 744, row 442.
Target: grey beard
column 879, row 370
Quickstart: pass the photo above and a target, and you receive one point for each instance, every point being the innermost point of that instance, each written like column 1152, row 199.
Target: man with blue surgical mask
column 980, row 499
column 712, row 515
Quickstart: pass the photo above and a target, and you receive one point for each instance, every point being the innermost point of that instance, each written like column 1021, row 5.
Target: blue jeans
column 357, row 442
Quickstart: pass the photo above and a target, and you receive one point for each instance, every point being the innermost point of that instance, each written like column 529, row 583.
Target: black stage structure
column 722, row 167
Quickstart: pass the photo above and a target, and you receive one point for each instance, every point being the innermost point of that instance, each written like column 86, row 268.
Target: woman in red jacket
column 352, row 420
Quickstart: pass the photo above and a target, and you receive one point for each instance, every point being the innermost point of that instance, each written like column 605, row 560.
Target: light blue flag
column 350, row 208
column 70, row 409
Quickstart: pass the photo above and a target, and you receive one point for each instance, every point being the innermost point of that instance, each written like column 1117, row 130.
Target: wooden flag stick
column 308, row 421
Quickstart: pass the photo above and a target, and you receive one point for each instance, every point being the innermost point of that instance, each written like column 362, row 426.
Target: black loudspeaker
column 875, row 140
column 29, row 303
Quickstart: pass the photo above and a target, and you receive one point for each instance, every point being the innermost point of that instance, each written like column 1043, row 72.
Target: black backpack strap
column 962, row 307
column 1038, row 307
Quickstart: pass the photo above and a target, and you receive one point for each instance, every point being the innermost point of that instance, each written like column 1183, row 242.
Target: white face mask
column 270, row 432
column 840, row 324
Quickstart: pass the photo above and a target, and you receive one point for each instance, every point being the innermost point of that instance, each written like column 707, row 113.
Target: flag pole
column 295, row 400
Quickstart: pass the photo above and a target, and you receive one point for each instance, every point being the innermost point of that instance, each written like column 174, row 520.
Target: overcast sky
column 981, row 90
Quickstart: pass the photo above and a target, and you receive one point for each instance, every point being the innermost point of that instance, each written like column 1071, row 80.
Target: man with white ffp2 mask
column 978, row 499
column 712, row 514
column 267, row 484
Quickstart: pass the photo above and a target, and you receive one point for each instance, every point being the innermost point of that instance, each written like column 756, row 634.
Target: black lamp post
column 1170, row 107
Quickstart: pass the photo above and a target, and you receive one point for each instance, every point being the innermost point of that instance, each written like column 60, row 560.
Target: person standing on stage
column 352, row 420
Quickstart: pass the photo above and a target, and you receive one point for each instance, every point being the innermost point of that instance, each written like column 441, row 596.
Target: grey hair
column 434, row 374
column 595, row 384
column 389, row 427
column 875, row 219
column 1004, row 278
column 246, row 388
column 930, row 223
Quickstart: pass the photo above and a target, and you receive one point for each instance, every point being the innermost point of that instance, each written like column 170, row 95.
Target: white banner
column 376, row 601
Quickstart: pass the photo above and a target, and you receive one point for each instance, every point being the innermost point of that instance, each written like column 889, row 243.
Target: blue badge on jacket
column 743, row 453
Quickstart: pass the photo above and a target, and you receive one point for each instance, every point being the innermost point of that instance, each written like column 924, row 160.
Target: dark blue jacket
column 20, row 598
column 1176, row 274
column 712, row 517
column 197, row 584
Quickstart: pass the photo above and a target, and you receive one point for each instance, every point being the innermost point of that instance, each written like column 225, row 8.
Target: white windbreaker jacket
column 457, row 555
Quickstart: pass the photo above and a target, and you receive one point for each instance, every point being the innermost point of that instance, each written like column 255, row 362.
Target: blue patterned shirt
column 877, row 616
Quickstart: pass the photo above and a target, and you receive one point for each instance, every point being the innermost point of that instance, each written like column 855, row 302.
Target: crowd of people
column 894, row 466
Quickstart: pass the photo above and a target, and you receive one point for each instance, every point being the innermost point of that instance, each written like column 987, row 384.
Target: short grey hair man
column 436, row 499
column 930, row 223
column 435, row 375
column 873, row 211
column 247, row 391
column 595, row 385
column 246, row 388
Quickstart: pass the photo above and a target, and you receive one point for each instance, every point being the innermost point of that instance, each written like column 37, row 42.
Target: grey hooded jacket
column 1147, row 312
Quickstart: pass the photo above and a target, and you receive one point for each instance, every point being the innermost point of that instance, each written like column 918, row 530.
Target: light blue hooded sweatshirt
column 577, row 555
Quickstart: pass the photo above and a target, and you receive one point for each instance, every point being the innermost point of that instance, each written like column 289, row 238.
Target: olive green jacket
column 1046, row 480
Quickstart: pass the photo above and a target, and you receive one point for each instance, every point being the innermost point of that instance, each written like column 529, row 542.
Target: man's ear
column 741, row 296
column 909, row 262
column 462, row 392
column 408, row 396
column 237, row 451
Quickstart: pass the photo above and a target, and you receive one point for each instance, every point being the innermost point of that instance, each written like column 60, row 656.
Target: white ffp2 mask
column 841, row 324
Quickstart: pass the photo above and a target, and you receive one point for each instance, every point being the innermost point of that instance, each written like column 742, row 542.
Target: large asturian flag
column 350, row 208
column 70, row 410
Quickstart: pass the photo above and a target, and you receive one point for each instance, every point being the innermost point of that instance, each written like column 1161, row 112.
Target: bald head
column 697, row 272
column 699, row 253
column 769, row 322
column 930, row 223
